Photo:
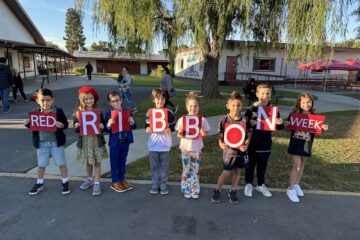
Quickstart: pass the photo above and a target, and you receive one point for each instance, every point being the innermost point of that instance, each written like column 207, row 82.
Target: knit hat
column 90, row 90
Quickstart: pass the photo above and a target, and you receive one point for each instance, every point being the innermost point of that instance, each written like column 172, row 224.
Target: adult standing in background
column 89, row 70
column 125, row 83
column 6, row 82
column 166, row 83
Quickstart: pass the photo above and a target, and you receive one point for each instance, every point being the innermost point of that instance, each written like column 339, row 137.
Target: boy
column 260, row 145
column 119, row 145
column 48, row 143
column 234, row 158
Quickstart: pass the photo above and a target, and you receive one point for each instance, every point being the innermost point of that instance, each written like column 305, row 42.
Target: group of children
column 254, row 154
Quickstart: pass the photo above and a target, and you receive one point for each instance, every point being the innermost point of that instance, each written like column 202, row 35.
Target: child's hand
column 167, row 130
column 243, row 148
column 222, row 145
column 204, row 133
column 77, row 125
column 26, row 121
column 148, row 130
column 253, row 122
column 325, row 127
column 111, row 122
column 59, row 124
column 101, row 126
column 179, row 135
column 131, row 120
column 279, row 121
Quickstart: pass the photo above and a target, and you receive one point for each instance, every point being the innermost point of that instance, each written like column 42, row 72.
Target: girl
column 91, row 149
column 300, row 146
column 234, row 158
column 159, row 145
column 191, row 149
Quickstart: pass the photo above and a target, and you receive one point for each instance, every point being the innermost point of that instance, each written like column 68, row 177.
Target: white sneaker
column 248, row 190
column 187, row 195
column 292, row 195
column 298, row 190
column 263, row 189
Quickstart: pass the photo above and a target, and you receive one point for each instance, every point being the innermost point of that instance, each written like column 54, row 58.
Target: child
column 234, row 159
column 191, row 150
column 260, row 145
column 159, row 145
column 300, row 146
column 47, row 143
column 91, row 149
column 18, row 86
column 119, row 145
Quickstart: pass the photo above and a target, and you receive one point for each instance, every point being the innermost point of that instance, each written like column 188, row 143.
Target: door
column 231, row 68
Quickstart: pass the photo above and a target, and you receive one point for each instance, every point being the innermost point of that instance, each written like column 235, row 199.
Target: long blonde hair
column 297, row 107
column 81, row 102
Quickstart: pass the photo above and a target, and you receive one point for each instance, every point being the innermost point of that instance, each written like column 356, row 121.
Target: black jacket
column 60, row 135
column 6, row 78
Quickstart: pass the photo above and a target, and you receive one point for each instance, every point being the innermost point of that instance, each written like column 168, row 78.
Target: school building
column 240, row 60
column 24, row 46
column 107, row 62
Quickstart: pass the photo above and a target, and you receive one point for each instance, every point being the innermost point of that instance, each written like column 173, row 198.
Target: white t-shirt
column 192, row 144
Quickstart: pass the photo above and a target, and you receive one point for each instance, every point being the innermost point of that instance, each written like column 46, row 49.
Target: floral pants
column 190, row 178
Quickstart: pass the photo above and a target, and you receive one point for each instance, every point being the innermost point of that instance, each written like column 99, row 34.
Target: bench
column 275, row 96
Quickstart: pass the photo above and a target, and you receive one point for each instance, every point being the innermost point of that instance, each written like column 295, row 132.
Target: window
column 264, row 64
column 26, row 62
column 201, row 66
column 320, row 71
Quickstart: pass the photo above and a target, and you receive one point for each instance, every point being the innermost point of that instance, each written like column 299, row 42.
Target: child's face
column 264, row 95
column 234, row 106
column 45, row 102
column 192, row 107
column 159, row 101
column 115, row 102
column 306, row 104
column 89, row 100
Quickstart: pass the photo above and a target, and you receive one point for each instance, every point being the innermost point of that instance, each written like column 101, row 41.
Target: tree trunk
column 209, row 86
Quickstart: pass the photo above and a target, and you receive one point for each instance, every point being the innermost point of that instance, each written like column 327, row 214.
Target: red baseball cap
column 90, row 90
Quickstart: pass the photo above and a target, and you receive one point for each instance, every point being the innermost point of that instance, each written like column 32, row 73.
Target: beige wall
column 81, row 63
column 11, row 28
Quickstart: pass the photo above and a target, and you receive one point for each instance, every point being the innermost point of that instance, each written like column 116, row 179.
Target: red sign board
column 266, row 118
column 234, row 134
column 191, row 126
column 40, row 121
column 121, row 119
column 89, row 123
column 158, row 119
column 306, row 122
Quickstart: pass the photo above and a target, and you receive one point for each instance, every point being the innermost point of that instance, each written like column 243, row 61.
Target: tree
column 51, row 44
column 74, row 35
column 303, row 24
column 102, row 46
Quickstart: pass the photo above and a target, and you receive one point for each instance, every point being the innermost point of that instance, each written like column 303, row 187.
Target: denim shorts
column 47, row 149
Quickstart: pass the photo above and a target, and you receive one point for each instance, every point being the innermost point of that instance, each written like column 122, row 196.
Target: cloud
column 56, row 40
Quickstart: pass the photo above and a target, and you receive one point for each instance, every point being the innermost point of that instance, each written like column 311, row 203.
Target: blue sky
column 49, row 18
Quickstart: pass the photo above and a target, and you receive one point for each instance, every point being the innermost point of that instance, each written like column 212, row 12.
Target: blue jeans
column 47, row 149
column 127, row 95
column 118, row 155
column 4, row 95
column 159, row 168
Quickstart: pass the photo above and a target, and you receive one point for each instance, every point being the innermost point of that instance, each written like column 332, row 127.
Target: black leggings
column 258, row 160
column 167, row 100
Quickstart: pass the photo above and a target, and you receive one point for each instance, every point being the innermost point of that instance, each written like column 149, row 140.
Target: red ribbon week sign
column 40, row 121
column 266, row 118
column 234, row 134
column 121, row 119
column 89, row 123
column 306, row 122
column 158, row 119
column 191, row 126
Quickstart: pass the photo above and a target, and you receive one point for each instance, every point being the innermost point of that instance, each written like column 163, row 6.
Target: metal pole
column 55, row 66
column 34, row 64
column 46, row 63
column 61, row 68
column 22, row 55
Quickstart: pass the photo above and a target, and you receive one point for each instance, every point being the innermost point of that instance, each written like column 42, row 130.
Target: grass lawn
column 146, row 80
column 335, row 164
column 353, row 95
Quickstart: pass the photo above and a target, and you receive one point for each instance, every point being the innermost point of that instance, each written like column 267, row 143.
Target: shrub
column 79, row 71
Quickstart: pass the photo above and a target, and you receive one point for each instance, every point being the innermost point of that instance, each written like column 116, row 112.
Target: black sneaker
column 65, row 188
column 233, row 198
column 216, row 196
column 36, row 189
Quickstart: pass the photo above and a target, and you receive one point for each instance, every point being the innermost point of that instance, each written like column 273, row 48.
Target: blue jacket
column 120, row 137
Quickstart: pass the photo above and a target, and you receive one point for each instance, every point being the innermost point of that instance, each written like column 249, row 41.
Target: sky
column 49, row 17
